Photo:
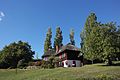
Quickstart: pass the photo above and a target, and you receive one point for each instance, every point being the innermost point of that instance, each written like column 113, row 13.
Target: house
column 68, row 55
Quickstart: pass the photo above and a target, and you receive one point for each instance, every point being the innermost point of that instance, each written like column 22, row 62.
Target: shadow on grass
column 114, row 64
column 117, row 64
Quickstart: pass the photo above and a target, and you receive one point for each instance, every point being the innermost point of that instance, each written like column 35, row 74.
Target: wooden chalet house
column 69, row 56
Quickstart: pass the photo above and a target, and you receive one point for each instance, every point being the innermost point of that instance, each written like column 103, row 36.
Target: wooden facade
column 69, row 56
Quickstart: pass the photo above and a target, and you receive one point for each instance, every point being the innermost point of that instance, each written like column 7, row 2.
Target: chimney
column 57, row 48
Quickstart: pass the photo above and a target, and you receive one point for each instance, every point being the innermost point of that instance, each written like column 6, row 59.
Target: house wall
column 72, row 55
column 68, row 57
column 63, row 56
column 69, row 63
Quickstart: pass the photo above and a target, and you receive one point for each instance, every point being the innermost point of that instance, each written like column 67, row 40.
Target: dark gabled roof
column 49, row 53
column 35, row 60
column 68, row 47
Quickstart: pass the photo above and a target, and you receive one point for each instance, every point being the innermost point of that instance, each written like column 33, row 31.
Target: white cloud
column 0, row 19
column 1, row 15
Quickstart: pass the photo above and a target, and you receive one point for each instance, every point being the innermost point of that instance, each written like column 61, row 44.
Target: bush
column 44, row 64
column 22, row 64
column 31, row 64
column 47, row 64
column 37, row 63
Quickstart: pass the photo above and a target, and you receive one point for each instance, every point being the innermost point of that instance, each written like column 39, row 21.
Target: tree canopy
column 10, row 55
column 99, row 41
column 87, row 37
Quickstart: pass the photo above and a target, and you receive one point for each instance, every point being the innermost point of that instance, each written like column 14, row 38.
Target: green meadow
column 87, row 72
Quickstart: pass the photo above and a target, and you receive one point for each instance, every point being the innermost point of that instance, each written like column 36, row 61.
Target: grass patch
column 87, row 72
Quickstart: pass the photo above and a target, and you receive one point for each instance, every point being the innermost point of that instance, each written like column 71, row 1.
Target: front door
column 74, row 64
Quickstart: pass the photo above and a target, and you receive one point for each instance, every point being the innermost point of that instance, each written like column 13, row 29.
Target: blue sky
column 28, row 20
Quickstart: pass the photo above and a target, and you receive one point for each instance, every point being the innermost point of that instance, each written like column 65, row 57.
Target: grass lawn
column 87, row 72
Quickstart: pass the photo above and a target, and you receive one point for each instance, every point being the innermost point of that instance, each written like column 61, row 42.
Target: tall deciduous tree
column 58, row 39
column 47, row 44
column 99, row 41
column 109, row 42
column 72, row 41
column 118, row 43
column 86, row 37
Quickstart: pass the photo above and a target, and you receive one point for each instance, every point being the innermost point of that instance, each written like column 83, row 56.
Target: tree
column 58, row 39
column 118, row 43
column 14, row 52
column 99, row 41
column 72, row 41
column 47, row 44
column 37, row 56
column 87, row 37
column 109, row 42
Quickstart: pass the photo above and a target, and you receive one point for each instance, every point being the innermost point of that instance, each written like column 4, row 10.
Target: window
column 66, row 62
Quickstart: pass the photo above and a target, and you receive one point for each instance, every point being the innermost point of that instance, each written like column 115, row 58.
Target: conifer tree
column 58, row 38
column 72, row 41
column 47, row 44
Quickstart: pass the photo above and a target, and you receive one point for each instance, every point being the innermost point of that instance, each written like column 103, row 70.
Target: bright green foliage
column 51, row 62
column 48, row 64
column 100, row 41
column 58, row 38
column 118, row 43
column 109, row 42
column 11, row 54
column 72, row 41
column 87, row 37
column 47, row 44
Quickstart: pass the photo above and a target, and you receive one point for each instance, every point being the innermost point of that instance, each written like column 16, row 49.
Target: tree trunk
column 92, row 61
column 57, row 48
column 109, row 61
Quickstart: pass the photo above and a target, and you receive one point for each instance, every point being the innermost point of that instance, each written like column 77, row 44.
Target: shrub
column 47, row 64
column 44, row 64
column 22, row 64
